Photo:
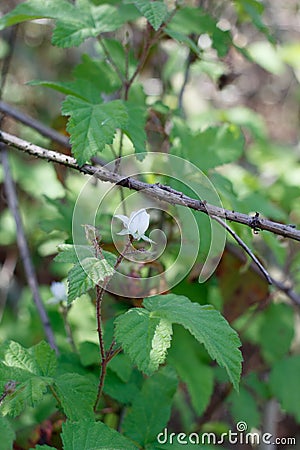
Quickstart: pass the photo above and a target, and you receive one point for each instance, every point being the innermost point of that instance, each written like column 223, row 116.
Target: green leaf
column 43, row 447
column 185, row 358
column 69, row 253
column 151, row 408
column 7, row 434
column 77, row 394
column 284, row 383
column 88, row 435
column 276, row 331
column 85, row 275
column 267, row 56
column 244, row 405
column 136, row 328
column 75, row 23
column 210, row 148
column 123, row 391
column 135, row 331
column 154, row 11
column 183, row 39
column 252, row 10
column 31, row 370
column 196, row 21
column 135, row 126
column 38, row 360
column 35, row 9
column 92, row 126
column 92, row 79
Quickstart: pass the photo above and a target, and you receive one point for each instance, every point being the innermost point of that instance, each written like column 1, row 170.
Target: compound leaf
column 135, row 331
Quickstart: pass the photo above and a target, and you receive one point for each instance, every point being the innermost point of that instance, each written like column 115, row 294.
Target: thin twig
column 286, row 289
column 35, row 124
column 245, row 247
column 111, row 60
column 105, row 356
column 24, row 250
column 158, row 191
column 184, row 84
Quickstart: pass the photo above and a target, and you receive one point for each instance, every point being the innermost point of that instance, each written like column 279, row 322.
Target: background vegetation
column 214, row 82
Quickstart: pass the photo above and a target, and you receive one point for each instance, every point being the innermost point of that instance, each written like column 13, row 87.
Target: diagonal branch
column 245, row 247
column 158, row 191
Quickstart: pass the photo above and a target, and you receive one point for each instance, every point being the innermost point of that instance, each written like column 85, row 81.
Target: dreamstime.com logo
column 241, row 436
column 180, row 236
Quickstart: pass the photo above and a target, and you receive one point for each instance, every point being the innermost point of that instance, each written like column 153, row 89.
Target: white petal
column 58, row 289
column 139, row 222
column 124, row 231
column 145, row 238
column 124, row 219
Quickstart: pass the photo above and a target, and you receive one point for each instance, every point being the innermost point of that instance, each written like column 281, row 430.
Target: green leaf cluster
column 145, row 333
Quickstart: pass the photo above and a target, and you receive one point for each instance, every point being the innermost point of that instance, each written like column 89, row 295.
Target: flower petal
column 124, row 231
column 124, row 219
column 139, row 222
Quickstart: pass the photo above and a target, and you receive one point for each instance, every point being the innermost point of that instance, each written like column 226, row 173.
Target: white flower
column 136, row 224
column 59, row 292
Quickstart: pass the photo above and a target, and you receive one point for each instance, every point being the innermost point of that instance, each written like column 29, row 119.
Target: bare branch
column 23, row 248
column 158, row 191
column 35, row 124
column 245, row 247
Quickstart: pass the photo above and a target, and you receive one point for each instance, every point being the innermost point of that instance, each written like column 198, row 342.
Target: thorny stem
column 100, row 290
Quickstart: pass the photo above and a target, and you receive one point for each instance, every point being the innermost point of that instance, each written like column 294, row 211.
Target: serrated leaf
column 85, row 275
column 154, row 11
column 123, row 392
column 38, row 360
column 7, row 434
column 87, row 21
column 77, row 394
column 210, row 148
column 161, row 341
column 92, row 79
column 196, row 374
column 69, row 253
column 35, row 9
column 135, row 330
column 92, row 126
column 284, row 383
column 31, row 370
column 206, row 324
column 75, row 23
column 135, row 127
column 151, row 408
column 88, row 435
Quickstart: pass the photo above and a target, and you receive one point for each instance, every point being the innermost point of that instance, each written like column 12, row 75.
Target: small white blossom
column 136, row 224
column 59, row 292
